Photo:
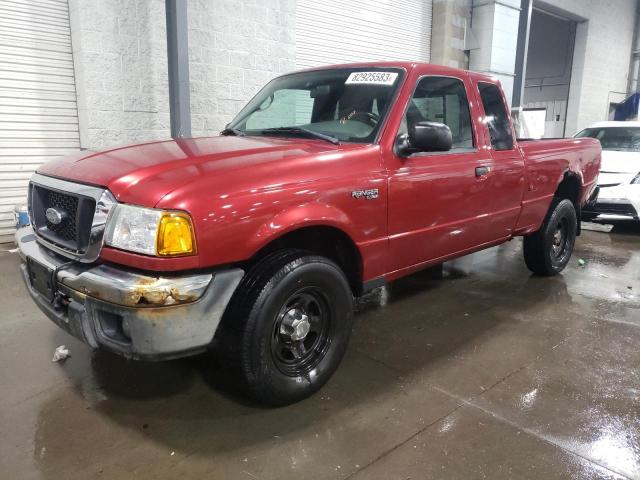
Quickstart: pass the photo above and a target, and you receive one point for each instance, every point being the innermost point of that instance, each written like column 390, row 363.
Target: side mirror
column 424, row 137
column 430, row 137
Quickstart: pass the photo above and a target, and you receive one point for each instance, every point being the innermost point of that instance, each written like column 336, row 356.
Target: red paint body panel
column 437, row 205
column 547, row 163
column 244, row 192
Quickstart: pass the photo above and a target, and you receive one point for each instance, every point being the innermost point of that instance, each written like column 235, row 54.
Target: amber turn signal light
column 175, row 235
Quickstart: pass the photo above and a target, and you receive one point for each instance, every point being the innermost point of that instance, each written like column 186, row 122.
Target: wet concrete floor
column 487, row 373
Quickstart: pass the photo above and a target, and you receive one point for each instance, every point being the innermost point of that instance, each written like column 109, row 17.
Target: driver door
column 439, row 201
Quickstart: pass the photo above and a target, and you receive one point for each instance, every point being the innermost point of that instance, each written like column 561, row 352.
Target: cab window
column 442, row 100
column 497, row 119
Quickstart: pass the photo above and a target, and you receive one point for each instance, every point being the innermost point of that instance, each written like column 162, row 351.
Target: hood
column 620, row 162
column 143, row 174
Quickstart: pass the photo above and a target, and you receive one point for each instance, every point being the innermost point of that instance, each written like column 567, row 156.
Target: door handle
column 482, row 171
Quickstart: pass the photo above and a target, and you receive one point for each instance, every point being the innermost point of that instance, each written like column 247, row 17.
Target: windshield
column 346, row 104
column 622, row 139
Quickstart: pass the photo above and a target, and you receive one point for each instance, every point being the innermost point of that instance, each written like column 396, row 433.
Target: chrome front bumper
column 133, row 314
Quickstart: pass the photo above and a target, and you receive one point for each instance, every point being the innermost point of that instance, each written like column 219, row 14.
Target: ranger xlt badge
column 370, row 194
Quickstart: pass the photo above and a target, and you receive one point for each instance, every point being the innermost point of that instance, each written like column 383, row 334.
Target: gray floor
column 489, row 372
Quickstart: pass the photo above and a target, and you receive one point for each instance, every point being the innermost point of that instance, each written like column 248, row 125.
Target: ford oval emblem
column 55, row 216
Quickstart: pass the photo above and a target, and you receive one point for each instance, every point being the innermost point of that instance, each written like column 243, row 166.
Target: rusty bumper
column 133, row 314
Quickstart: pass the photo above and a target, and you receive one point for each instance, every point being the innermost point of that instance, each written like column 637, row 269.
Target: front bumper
column 132, row 314
column 621, row 201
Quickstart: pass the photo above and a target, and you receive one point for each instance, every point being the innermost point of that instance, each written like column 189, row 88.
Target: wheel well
column 569, row 188
column 326, row 241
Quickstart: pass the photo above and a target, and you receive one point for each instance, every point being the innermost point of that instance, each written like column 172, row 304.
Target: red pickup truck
column 330, row 182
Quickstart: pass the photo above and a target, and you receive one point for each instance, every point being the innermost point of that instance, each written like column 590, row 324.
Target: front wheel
column 547, row 251
column 288, row 326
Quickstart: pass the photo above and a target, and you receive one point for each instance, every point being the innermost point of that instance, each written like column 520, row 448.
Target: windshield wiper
column 303, row 131
column 232, row 131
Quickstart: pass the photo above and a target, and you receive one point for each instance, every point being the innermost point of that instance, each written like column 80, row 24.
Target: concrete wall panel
column 120, row 60
column 235, row 47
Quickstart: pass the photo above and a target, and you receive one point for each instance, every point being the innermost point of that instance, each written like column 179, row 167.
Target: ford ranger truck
column 329, row 183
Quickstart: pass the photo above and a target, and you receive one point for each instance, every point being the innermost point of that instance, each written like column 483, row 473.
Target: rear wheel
column 288, row 326
column 547, row 251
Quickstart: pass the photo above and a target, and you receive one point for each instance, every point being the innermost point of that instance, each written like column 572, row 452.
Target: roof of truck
column 407, row 66
column 611, row 124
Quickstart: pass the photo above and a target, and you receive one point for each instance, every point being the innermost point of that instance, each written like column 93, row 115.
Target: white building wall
column 119, row 49
column 120, row 56
column 602, row 53
column 120, row 59
column 235, row 48
column 450, row 22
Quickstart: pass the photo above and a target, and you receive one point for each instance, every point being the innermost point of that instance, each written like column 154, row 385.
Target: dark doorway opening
column 548, row 73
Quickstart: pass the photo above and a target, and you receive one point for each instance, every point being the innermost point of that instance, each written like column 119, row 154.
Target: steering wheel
column 369, row 118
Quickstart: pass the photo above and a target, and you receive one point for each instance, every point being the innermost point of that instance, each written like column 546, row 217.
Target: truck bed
column 547, row 162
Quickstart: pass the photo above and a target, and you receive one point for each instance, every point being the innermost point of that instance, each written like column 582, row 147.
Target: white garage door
column 38, row 114
column 339, row 31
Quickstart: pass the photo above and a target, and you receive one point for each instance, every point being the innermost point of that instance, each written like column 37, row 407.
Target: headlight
column 636, row 180
column 150, row 231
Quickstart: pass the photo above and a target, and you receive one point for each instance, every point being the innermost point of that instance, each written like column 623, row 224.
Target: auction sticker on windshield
column 372, row 78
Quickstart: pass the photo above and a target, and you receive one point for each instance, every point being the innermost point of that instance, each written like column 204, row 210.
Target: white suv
column 619, row 179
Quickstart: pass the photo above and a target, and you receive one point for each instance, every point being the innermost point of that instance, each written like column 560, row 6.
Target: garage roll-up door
column 38, row 114
column 336, row 31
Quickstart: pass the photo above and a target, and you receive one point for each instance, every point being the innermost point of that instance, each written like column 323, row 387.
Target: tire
column 547, row 251
column 287, row 326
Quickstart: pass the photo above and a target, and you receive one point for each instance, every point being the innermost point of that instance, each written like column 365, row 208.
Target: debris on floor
column 61, row 354
column 581, row 262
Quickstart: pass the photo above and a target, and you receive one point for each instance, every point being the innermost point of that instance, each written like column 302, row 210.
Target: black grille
column 73, row 232
column 69, row 205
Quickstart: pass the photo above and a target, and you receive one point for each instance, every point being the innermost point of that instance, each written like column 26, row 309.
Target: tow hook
column 60, row 301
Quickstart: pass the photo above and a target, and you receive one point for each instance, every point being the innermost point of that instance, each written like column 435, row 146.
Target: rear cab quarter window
column 496, row 116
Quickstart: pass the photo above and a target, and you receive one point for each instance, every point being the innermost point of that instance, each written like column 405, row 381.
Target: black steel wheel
column 302, row 332
column 547, row 251
column 559, row 241
column 287, row 326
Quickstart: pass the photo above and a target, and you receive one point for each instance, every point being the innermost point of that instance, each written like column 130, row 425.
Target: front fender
column 300, row 216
